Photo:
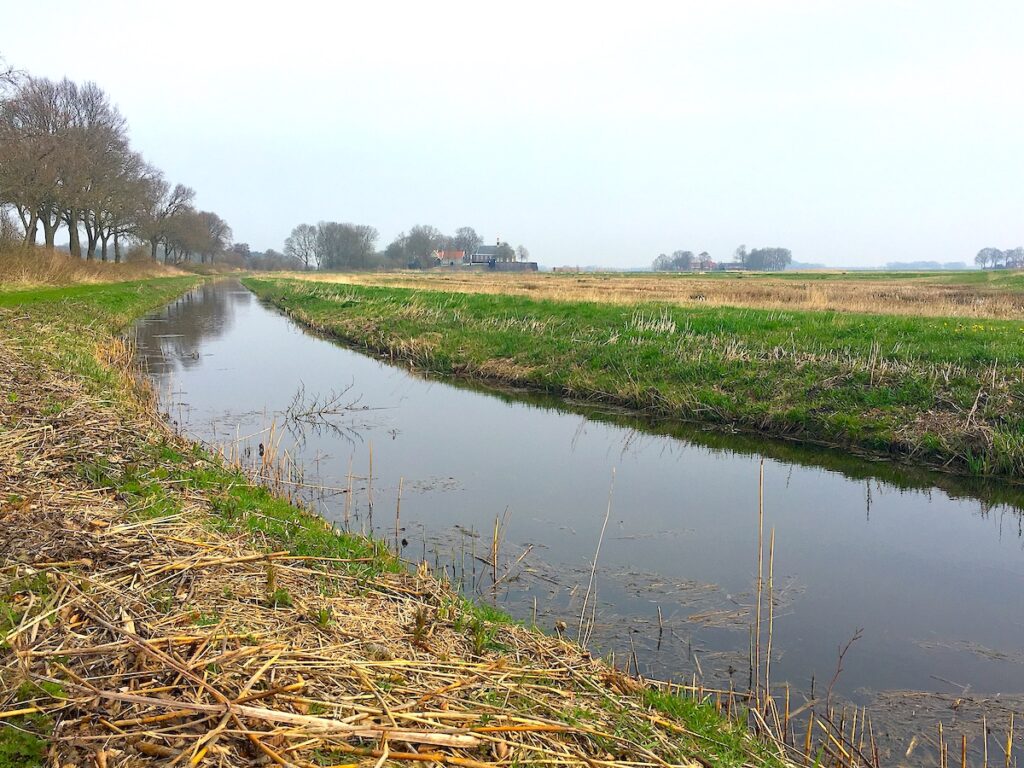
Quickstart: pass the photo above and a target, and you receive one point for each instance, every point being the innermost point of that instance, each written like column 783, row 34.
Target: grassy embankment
column 154, row 604
column 944, row 392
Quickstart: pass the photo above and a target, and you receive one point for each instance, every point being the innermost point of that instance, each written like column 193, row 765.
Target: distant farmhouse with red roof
column 450, row 258
column 500, row 257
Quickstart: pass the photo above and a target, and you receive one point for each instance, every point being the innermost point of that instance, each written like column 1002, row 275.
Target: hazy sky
column 854, row 132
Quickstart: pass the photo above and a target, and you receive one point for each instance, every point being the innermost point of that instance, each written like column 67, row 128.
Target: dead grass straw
column 924, row 295
column 28, row 267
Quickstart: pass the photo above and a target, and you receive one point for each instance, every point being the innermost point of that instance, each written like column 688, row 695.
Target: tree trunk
column 49, row 226
column 103, row 247
column 153, row 243
column 117, row 249
column 74, row 243
column 30, row 222
column 92, row 233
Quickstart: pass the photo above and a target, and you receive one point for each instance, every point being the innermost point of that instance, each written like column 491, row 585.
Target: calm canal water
column 934, row 577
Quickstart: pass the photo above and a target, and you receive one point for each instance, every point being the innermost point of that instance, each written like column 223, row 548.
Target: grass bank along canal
column 933, row 576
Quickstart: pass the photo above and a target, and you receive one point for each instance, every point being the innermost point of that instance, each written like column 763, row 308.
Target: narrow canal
column 928, row 571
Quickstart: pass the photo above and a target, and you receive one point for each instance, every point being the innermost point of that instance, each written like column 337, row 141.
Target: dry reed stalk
column 1009, row 742
column 585, row 638
column 494, row 551
column 984, row 741
column 511, row 569
column 398, row 518
column 785, row 718
column 369, row 480
column 760, row 580
column 771, row 612
column 348, row 494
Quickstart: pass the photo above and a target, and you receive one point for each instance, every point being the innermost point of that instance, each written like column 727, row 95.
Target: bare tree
column 65, row 159
column 218, row 235
column 301, row 245
column 345, row 246
column 185, row 234
column 9, row 76
column 62, row 145
column 94, row 140
column 9, row 234
column 522, row 254
column 162, row 204
column 465, row 239
column 112, row 197
column 420, row 244
column 34, row 122
column 679, row 261
column 768, row 259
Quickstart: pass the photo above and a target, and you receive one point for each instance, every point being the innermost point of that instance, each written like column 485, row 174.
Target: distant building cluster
column 500, row 257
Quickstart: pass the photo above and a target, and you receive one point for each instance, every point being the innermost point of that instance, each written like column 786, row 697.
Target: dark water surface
column 933, row 576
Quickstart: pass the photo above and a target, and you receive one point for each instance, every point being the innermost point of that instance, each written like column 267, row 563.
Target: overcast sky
column 850, row 132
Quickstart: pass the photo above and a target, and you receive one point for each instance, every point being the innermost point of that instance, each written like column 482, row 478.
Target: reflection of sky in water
column 930, row 579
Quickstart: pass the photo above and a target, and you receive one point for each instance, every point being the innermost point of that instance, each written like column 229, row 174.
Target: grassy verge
column 135, row 562
column 938, row 391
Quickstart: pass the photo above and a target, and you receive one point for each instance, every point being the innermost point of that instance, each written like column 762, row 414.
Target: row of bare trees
column 66, row 162
column 333, row 245
column 1011, row 258
column 682, row 261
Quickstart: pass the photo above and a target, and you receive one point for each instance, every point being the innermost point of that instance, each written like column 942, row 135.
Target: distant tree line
column 66, row 162
column 764, row 259
column 241, row 255
column 759, row 259
column 332, row 245
column 682, row 261
column 1012, row 258
column 930, row 266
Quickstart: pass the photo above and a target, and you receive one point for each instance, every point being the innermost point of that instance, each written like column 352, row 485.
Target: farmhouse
column 450, row 258
column 491, row 254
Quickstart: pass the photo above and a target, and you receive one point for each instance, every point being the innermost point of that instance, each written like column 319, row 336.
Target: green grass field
column 939, row 391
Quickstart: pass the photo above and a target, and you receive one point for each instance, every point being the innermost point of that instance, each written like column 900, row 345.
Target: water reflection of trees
column 203, row 313
column 339, row 414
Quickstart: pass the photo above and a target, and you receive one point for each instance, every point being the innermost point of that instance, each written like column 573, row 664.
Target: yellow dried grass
column 917, row 296
column 29, row 267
